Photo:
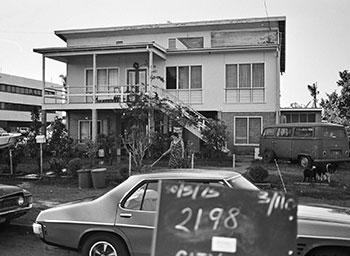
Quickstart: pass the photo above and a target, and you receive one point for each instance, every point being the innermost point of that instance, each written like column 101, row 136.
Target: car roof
column 189, row 174
column 304, row 124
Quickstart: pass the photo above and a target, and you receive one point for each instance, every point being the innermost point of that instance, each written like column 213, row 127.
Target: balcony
column 82, row 97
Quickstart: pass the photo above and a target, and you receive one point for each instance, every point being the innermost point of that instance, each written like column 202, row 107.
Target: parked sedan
column 14, row 202
column 122, row 221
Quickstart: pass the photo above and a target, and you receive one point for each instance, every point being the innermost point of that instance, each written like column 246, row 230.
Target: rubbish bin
column 99, row 177
column 84, row 178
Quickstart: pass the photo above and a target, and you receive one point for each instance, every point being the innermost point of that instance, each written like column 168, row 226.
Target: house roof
column 61, row 53
column 226, row 24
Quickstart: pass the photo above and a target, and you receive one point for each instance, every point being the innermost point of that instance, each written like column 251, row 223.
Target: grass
column 61, row 190
column 335, row 193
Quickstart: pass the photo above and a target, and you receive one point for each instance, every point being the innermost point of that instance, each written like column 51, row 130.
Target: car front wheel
column 104, row 244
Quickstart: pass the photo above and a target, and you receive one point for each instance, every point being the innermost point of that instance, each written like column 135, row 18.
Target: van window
column 303, row 132
column 284, row 132
column 333, row 132
column 269, row 132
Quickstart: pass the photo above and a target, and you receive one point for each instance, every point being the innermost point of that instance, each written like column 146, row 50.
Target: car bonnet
column 6, row 190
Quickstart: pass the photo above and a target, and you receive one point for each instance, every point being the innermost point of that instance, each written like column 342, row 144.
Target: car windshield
column 240, row 182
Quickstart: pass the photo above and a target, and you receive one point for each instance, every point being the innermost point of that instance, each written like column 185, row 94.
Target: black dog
column 310, row 174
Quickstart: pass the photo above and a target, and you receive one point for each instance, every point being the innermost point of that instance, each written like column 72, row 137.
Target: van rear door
column 335, row 142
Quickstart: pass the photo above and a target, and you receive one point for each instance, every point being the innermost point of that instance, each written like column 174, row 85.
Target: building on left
column 18, row 97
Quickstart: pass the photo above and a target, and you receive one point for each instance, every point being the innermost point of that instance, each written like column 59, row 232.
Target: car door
column 282, row 145
column 137, row 213
column 136, row 216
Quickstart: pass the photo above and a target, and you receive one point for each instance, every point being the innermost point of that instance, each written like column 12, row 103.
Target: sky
column 317, row 33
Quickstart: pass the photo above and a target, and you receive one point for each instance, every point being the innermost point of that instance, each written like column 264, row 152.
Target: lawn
column 50, row 192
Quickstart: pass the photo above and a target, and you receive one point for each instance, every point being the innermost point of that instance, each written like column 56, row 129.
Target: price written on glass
column 193, row 191
column 216, row 216
column 277, row 201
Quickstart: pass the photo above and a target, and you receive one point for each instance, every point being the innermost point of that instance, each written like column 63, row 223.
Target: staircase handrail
column 164, row 94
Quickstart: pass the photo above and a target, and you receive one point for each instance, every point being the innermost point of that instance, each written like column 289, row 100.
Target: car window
column 333, row 132
column 284, row 132
column 144, row 198
column 269, row 132
column 304, row 132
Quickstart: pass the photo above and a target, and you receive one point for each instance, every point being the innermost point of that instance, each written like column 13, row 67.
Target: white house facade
column 225, row 69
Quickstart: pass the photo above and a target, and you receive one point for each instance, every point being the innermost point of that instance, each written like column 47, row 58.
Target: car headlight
column 20, row 201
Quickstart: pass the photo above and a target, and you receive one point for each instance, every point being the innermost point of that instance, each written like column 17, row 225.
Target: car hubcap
column 102, row 248
column 304, row 162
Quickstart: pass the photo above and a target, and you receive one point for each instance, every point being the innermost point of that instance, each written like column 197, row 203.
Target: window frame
column 247, row 120
column 239, row 87
column 99, row 122
column 100, row 68
column 189, row 77
column 133, row 190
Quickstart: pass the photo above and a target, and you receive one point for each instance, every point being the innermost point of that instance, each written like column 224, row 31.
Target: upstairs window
column 245, row 83
column 184, row 77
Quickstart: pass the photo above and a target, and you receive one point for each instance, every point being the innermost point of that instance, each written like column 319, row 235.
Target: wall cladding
column 239, row 38
column 228, row 117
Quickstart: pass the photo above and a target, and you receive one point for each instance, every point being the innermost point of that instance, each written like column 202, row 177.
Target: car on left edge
column 14, row 202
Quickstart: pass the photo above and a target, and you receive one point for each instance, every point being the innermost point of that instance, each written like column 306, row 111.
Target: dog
column 310, row 174
column 324, row 172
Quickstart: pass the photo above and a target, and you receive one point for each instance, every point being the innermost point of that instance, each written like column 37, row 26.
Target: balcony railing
column 85, row 94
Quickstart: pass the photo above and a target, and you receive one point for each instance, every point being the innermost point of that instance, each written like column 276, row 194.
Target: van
column 306, row 143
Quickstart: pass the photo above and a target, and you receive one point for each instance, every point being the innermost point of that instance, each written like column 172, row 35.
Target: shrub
column 74, row 165
column 56, row 165
column 124, row 173
column 257, row 174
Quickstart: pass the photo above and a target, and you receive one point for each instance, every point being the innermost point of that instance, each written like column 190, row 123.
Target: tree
column 314, row 92
column 336, row 108
column 215, row 136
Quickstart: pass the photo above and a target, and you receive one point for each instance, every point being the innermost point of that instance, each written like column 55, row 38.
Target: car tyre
column 305, row 161
column 104, row 244
column 268, row 156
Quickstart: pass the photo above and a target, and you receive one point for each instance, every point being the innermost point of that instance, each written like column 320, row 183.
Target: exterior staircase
column 195, row 123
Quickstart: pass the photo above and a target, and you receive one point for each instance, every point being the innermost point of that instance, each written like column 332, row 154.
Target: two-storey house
column 225, row 69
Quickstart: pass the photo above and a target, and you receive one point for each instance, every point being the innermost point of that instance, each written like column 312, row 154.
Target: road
column 20, row 240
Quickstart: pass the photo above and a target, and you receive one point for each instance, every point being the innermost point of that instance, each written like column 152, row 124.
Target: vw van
column 306, row 143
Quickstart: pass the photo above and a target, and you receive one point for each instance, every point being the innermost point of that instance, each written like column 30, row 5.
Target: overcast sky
column 317, row 33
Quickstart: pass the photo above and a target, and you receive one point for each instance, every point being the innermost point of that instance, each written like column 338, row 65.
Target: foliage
column 17, row 150
column 124, row 173
column 74, row 165
column 136, row 142
column 91, row 151
column 56, row 165
column 337, row 106
column 109, row 144
column 313, row 91
column 215, row 136
column 60, row 144
column 31, row 147
column 257, row 174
